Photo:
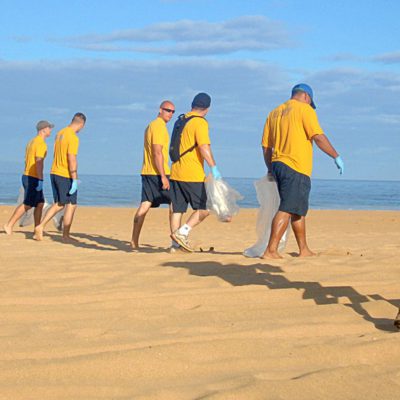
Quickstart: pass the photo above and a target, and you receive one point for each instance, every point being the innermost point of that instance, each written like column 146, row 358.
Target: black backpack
column 176, row 137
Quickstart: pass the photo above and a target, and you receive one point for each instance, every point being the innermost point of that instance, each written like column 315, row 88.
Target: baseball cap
column 43, row 124
column 303, row 87
column 201, row 100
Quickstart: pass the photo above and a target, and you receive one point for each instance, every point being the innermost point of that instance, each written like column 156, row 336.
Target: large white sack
column 268, row 198
column 222, row 199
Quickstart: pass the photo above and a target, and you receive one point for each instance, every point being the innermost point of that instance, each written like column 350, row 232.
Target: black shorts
column 153, row 192
column 31, row 196
column 293, row 187
column 61, row 186
column 184, row 193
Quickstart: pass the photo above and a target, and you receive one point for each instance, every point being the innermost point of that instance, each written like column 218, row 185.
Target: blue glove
column 74, row 186
column 215, row 173
column 39, row 186
column 340, row 164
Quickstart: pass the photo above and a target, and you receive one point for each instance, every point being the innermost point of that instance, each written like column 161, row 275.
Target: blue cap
column 201, row 100
column 303, row 87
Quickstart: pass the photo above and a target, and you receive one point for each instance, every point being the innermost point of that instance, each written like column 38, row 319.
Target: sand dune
column 97, row 321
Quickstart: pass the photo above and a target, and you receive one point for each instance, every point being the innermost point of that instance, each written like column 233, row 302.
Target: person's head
column 78, row 121
column 303, row 92
column 201, row 103
column 44, row 128
column 167, row 110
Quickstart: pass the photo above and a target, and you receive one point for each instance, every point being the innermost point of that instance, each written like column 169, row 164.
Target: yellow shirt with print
column 190, row 167
column 289, row 130
column 36, row 148
column 155, row 133
column 66, row 142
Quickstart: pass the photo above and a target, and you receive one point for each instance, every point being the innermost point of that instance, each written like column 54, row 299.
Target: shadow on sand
column 273, row 278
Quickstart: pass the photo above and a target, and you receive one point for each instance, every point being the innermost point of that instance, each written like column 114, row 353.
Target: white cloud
column 388, row 58
column 187, row 37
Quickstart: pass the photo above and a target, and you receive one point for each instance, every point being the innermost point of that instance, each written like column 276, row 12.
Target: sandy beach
column 94, row 320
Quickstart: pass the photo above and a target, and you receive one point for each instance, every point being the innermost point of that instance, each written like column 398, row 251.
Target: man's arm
column 267, row 152
column 205, row 151
column 158, row 159
column 39, row 161
column 73, row 165
column 325, row 145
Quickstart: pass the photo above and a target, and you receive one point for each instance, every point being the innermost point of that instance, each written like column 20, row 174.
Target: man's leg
column 53, row 210
column 278, row 228
column 67, row 221
column 16, row 215
column 138, row 221
column 197, row 217
column 299, row 230
column 37, row 213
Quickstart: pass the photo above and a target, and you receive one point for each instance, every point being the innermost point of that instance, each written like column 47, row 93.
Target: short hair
column 79, row 117
column 165, row 102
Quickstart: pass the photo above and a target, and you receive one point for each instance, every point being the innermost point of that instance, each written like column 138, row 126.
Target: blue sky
column 115, row 61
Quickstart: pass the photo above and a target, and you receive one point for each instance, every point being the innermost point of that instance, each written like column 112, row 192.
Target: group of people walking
column 287, row 142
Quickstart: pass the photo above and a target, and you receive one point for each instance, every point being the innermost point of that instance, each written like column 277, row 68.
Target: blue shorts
column 293, row 187
column 153, row 192
column 61, row 186
column 31, row 197
column 184, row 193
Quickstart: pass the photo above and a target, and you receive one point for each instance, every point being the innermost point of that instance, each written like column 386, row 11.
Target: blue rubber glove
column 340, row 164
column 74, row 186
column 215, row 173
column 39, row 186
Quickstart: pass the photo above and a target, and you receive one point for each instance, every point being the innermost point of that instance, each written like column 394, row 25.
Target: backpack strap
column 195, row 145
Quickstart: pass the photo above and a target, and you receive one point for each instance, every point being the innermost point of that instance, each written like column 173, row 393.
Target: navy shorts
column 293, row 187
column 61, row 186
column 153, row 192
column 31, row 197
column 184, row 193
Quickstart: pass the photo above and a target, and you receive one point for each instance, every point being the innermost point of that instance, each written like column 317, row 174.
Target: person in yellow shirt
column 32, row 179
column 287, row 143
column 64, row 177
column 187, row 173
column 155, row 169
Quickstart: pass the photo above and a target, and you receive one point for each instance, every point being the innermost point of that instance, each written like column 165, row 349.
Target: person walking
column 187, row 173
column 64, row 177
column 32, row 178
column 155, row 168
column 289, row 133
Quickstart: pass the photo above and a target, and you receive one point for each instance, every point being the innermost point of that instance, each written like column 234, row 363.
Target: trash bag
column 268, row 198
column 222, row 199
column 28, row 219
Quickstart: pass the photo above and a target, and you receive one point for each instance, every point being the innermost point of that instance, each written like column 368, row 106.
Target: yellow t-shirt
column 66, row 142
column 37, row 147
column 190, row 167
column 289, row 130
column 155, row 133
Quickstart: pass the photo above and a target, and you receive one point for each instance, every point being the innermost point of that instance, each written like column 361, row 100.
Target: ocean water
column 124, row 191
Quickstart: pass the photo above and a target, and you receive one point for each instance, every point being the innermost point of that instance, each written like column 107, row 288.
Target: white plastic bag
column 28, row 219
column 268, row 198
column 222, row 199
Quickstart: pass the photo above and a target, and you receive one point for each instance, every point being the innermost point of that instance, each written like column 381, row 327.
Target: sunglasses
column 168, row 110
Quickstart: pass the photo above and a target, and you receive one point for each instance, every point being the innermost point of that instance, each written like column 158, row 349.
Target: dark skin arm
column 325, row 145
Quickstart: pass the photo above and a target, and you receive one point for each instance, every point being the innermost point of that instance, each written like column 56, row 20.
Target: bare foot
column 307, row 253
column 134, row 246
column 38, row 233
column 269, row 254
column 7, row 229
column 69, row 239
